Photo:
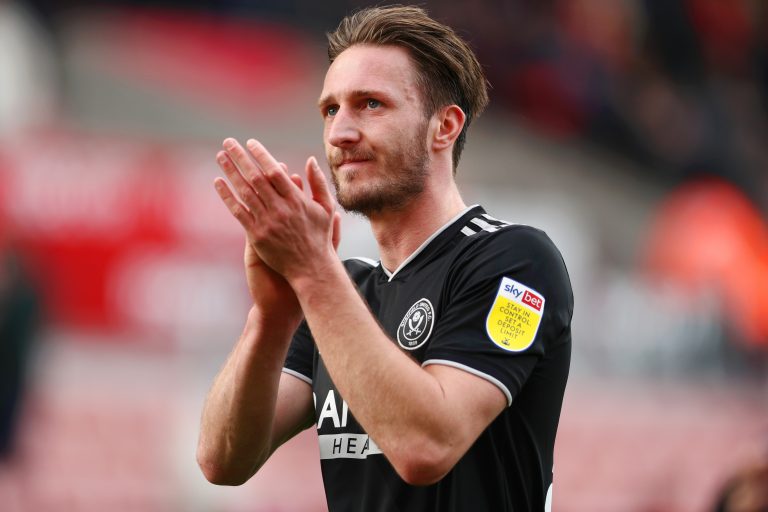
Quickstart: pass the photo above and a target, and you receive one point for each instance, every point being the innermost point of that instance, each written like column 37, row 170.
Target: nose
column 342, row 129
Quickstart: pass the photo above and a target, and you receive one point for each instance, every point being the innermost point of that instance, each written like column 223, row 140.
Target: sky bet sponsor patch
column 515, row 316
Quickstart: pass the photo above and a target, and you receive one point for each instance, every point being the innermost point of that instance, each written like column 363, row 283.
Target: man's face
column 375, row 131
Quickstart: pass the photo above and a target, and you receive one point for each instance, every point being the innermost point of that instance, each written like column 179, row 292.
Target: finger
column 319, row 185
column 240, row 157
column 275, row 173
column 336, row 234
column 235, row 207
column 243, row 188
column 252, row 171
column 296, row 179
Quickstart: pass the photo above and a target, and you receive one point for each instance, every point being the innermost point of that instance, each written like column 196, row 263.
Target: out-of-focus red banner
column 127, row 234
column 103, row 222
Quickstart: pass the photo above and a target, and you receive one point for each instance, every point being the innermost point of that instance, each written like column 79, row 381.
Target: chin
column 369, row 204
column 368, row 195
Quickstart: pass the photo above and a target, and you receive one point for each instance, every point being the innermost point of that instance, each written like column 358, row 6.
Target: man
column 434, row 377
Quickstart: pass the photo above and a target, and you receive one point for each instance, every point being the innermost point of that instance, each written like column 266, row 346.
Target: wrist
column 277, row 322
column 318, row 277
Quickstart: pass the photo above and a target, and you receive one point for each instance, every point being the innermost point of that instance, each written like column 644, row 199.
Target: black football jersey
column 481, row 295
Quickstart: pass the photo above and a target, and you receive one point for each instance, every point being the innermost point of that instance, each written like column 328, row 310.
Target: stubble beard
column 403, row 172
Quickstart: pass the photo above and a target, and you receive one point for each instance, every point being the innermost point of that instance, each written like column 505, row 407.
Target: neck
column 399, row 233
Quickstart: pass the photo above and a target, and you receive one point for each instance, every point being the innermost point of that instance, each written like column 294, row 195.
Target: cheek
column 326, row 130
column 327, row 145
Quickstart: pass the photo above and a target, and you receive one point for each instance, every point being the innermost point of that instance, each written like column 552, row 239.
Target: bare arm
column 252, row 407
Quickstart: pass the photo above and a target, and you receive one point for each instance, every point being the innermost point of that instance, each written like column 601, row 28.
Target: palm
column 267, row 288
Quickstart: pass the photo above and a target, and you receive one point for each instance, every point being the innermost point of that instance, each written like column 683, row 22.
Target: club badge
column 416, row 326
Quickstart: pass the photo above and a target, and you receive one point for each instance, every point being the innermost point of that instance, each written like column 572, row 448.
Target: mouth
column 351, row 164
column 346, row 160
column 353, row 161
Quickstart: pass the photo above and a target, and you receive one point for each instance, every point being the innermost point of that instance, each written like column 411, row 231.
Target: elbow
column 220, row 474
column 420, row 474
column 423, row 463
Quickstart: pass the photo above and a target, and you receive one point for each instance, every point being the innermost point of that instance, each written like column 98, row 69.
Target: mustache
column 336, row 159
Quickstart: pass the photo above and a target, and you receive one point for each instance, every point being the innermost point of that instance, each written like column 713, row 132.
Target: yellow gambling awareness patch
column 514, row 318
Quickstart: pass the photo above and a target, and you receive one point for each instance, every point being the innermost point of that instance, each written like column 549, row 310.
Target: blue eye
column 373, row 104
column 332, row 111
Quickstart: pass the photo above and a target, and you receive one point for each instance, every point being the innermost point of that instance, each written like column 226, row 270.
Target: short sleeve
column 299, row 361
column 506, row 303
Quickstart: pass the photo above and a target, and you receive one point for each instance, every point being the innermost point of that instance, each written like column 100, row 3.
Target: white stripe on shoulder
column 478, row 373
column 298, row 375
column 468, row 231
column 484, row 225
column 369, row 261
column 493, row 219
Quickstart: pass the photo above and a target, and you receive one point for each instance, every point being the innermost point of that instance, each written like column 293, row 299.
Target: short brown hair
column 448, row 71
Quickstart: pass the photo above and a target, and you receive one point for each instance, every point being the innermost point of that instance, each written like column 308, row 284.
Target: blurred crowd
column 108, row 124
column 679, row 85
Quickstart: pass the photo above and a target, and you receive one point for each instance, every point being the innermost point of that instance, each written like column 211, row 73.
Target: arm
column 252, row 407
column 424, row 420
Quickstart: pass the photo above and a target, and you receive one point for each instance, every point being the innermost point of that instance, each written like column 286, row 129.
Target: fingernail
column 251, row 143
column 229, row 143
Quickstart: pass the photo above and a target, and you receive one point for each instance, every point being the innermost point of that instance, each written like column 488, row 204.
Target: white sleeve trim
column 298, row 375
column 469, row 369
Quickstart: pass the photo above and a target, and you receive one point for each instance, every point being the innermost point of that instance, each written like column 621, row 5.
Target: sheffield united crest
column 416, row 326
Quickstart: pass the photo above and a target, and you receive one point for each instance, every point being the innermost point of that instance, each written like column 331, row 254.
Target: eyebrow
column 359, row 93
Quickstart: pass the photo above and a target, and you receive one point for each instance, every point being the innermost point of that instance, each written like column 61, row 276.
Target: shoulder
column 522, row 253
column 513, row 242
column 529, row 236
column 484, row 231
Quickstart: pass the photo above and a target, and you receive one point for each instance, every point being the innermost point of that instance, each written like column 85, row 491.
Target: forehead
column 388, row 69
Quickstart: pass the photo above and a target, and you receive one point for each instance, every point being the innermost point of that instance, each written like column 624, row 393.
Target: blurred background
column 635, row 132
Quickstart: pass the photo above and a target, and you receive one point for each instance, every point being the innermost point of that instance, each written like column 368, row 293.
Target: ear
column 451, row 121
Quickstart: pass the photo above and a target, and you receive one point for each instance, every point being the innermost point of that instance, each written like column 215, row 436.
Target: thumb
column 318, row 185
column 336, row 234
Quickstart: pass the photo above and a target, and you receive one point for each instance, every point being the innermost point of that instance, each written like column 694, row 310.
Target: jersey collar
column 446, row 230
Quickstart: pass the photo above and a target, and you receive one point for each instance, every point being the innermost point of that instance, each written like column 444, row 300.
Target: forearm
column 238, row 416
column 398, row 403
